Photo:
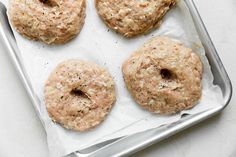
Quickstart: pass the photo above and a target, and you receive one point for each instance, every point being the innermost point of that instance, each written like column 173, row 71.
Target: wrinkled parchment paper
column 98, row 43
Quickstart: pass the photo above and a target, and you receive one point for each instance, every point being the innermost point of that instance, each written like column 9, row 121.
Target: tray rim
column 166, row 131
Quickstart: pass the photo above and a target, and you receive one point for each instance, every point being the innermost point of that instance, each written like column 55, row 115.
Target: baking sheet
column 101, row 45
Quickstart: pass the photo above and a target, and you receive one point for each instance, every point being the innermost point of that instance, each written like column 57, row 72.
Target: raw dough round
column 132, row 17
column 163, row 76
column 49, row 21
column 79, row 94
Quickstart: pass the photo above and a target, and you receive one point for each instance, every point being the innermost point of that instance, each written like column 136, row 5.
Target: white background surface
column 22, row 135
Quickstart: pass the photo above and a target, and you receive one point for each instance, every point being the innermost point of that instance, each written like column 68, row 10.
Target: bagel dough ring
column 133, row 17
column 49, row 21
column 79, row 94
column 163, row 76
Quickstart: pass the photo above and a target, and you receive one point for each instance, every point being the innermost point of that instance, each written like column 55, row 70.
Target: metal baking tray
column 127, row 145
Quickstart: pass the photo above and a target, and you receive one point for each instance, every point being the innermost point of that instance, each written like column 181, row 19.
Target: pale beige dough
column 49, row 21
column 163, row 76
column 79, row 94
column 132, row 17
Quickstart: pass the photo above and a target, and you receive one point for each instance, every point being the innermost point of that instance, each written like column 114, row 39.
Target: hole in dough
column 50, row 3
column 79, row 93
column 167, row 74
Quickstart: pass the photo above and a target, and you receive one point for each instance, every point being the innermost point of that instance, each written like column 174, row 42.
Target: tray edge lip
column 227, row 82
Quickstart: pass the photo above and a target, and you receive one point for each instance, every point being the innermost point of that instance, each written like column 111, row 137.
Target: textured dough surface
column 79, row 94
column 132, row 17
column 49, row 21
column 163, row 76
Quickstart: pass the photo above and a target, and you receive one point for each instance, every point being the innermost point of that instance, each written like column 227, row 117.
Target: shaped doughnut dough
column 132, row 17
column 49, row 21
column 79, row 94
column 163, row 76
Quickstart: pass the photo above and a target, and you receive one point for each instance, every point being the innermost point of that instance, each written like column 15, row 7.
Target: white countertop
column 22, row 135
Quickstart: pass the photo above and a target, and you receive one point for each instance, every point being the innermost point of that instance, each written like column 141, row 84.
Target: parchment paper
column 98, row 43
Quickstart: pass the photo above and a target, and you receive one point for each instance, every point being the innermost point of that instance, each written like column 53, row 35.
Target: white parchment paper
column 98, row 43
